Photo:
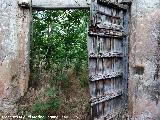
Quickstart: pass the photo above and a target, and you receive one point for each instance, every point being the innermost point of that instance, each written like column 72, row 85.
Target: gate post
column 14, row 54
column 144, row 60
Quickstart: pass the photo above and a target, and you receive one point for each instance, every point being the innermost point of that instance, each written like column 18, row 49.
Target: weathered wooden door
column 108, row 58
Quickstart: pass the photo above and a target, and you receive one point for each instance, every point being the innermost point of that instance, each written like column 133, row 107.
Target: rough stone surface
column 14, row 70
column 60, row 4
column 144, row 60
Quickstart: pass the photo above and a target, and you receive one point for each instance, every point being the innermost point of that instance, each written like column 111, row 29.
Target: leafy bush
column 58, row 44
column 41, row 107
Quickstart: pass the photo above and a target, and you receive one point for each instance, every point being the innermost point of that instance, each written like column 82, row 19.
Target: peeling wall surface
column 14, row 42
column 144, row 60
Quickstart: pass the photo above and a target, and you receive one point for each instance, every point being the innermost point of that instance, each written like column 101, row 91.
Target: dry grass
column 75, row 99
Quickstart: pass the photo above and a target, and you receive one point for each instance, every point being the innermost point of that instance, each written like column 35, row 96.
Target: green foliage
column 52, row 104
column 46, row 102
column 58, row 43
column 84, row 80
column 59, row 36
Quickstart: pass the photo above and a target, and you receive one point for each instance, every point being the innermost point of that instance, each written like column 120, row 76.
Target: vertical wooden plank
column 112, row 85
column 92, row 66
column 90, row 45
column 112, row 44
column 118, row 45
column 110, row 106
column 107, row 66
column 100, row 109
column 99, row 88
column 108, row 45
column 95, row 111
column 118, row 66
column 119, row 83
column 108, row 86
column 101, row 45
column 93, row 89
column 95, row 43
column 121, row 16
column 93, row 12
column 100, row 66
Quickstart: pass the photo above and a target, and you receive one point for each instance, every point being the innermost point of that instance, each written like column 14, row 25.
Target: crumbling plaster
column 144, row 89
column 14, row 53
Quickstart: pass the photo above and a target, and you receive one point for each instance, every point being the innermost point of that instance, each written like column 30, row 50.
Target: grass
column 62, row 93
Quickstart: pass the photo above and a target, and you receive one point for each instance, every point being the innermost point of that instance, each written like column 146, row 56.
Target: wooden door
column 108, row 58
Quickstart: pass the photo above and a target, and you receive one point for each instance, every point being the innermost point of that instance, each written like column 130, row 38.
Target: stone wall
column 14, row 42
column 144, row 57
column 144, row 60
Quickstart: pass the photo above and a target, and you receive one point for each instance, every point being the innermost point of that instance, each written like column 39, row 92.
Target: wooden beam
column 60, row 4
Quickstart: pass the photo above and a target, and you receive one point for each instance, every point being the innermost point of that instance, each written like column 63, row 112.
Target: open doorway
column 59, row 75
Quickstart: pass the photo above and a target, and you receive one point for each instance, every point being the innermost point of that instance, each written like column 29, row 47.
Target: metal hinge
column 24, row 3
column 126, row 2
